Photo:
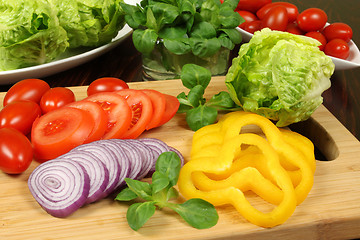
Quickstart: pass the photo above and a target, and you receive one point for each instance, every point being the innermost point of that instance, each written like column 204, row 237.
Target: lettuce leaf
column 280, row 76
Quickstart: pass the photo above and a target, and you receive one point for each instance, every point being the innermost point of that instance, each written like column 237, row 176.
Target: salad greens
column 280, row 76
column 33, row 32
column 199, row 112
column 197, row 212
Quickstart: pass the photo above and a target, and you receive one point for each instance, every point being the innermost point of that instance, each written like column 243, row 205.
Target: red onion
column 96, row 169
column 60, row 186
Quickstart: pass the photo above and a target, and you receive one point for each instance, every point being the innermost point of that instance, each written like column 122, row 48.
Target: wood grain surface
column 331, row 211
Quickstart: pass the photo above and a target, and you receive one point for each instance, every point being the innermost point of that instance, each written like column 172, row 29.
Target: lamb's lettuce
column 280, row 76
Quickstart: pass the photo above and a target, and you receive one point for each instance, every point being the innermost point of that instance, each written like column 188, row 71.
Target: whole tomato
column 311, row 19
column 27, row 89
column 248, row 17
column 252, row 5
column 338, row 30
column 275, row 19
column 16, row 152
column 55, row 98
column 253, row 26
column 318, row 36
column 337, row 48
column 20, row 115
column 294, row 29
column 292, row 10
column 106, row 84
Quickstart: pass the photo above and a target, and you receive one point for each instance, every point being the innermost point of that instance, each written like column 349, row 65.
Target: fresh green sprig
column 198, row 26
column 199, row 112
column 196, row 212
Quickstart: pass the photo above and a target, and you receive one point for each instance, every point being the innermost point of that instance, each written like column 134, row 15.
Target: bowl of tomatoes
column 335, row 38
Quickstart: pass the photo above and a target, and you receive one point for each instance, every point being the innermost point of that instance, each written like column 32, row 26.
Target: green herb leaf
column 165, row 13
column 192, row 75
column 126, row 195
column 172, row 194
column 195, row 96
column 173, row 32
column 144, row 40
column 178, row 46
column 200, row 117
column 139, row 213
column 229, row 18
column 159, row 182
column 203, row 30
column 169, row 164
column 141, row 189
column 233, row 34
column 134, row 16
column 204, row 47
column 198, row 213
column 221, row 101
column 151, row 20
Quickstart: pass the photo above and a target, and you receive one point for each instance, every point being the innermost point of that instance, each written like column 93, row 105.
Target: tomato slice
column 99, row 116
column 59, row 131
column 172, row 105
column 118, row 111
column 158, row 103
column 142, row 111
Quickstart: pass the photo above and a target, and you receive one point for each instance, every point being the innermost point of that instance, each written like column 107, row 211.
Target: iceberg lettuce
column 280, row 76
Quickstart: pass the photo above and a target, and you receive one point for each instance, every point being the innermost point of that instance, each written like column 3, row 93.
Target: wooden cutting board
column 331, row 211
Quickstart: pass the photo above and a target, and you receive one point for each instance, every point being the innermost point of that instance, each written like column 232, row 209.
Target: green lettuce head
column 280, row 76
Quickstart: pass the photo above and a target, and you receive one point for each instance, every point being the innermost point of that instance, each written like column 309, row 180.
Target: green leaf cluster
column 197, row 212
column 198, row 26
column 199, row 111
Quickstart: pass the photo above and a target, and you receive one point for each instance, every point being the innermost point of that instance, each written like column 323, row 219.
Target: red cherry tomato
column 106, row 84
column 294, row 29
column 252, row 5
column 118, row 111
column 16, row 152
column 142, row 111
column 172, row 105
column 253, row 26
column 318, row 36
column 158, row 101
column 337, row 48
column 292, row 10
column 55, row 98
column 20, row 115
column 311, row 19
column 99, row 116
column 275, row 19
column 248, row 17
column 27, row 89
column 338, row 30
column 59, row 131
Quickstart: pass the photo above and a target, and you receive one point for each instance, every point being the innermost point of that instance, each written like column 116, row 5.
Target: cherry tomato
column 158, row 101
column 338, row 30
column 337, row 48
column 251, row 5
column 253, row 26
column 142, row 111
column 55, row 98
column 292, row 10
column 20, row 115
column 311, row 19
column 248, row 17
column 294, row 29
column 275, row 19
column 59, row 131
column 172, row 105
column 318, row 36
column 106, row 84
column 27, row 89
column 118, row 111
column 99, row 116
column 16, row 152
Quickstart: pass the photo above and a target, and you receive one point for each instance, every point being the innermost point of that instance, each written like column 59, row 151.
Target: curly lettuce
column 280, row 76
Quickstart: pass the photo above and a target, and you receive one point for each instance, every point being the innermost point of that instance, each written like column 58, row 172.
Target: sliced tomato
column 142, row 111
column 59, row 131
column 99, row 116
column 158, row 104
column 172, row 105
column 118, row 111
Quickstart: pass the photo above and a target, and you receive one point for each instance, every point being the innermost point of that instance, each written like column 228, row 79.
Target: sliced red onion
column 96, row 169
column 108, row 158
column 158, row 147
column 60, row 186
column 121, row 158
column 147, row 159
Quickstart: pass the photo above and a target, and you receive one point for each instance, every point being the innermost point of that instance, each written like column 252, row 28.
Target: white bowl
column 353, row 61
